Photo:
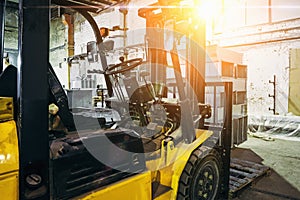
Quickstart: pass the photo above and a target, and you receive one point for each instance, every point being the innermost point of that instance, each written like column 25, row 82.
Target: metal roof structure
column 94, row 6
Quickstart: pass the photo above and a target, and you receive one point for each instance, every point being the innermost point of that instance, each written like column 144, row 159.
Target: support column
column 68, row 20
column 33, row 93
column 226, row 138
column 198, row 59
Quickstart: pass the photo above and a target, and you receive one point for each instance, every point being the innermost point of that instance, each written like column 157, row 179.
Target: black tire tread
column 188, row 172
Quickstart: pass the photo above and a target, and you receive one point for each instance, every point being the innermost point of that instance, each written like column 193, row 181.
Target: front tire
column 201, row 177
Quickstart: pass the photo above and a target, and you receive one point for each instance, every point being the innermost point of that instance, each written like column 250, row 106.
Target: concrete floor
column 283, row 157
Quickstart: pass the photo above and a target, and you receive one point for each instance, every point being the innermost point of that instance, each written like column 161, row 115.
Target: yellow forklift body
column 9, row 154
column 134, row 188
column 169, row 166
column 139, row 187
column 176, row 159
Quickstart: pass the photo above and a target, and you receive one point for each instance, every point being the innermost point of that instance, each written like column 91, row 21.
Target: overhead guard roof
column 95, row 6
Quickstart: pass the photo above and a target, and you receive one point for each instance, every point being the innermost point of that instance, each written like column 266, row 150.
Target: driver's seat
column 131, row 85
column 58, row 96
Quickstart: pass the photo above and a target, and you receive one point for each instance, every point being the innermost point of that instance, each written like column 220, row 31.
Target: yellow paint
column 6, row 109
column 169, row 165
column 9, row 160
column 294, row 89
column 137, row 187
column 173, row 160
column 9, row 154
column 9, row 188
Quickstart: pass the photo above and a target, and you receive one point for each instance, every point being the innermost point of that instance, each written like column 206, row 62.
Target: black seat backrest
column 8, row 88
column 58, row 96
column 8, row 82
column 8, row 85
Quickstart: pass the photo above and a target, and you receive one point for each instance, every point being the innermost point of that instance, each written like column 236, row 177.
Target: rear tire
column 201, row 177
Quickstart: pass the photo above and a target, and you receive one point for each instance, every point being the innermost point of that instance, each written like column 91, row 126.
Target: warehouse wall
column 11, row 34
column 266, row 48
column 57, row 43
column 110, row 18
column 84, row 34
column 264, row 62
column 58, row 50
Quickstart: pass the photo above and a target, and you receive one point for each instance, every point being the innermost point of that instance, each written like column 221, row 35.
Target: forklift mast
column 157, row 15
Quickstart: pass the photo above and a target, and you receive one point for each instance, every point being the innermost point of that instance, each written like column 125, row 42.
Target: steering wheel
column 124, row 66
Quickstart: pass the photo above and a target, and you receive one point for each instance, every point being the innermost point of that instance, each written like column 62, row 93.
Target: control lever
column 151, row 90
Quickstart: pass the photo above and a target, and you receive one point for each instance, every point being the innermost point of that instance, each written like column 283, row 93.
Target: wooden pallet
column 244, row 173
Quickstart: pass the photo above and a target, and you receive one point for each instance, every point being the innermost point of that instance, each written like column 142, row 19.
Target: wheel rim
column 206, row 182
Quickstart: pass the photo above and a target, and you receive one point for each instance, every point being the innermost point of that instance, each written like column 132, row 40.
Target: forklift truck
column 181, row 158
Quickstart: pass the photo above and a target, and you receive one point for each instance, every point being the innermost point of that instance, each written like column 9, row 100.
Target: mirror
column 92, row 54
